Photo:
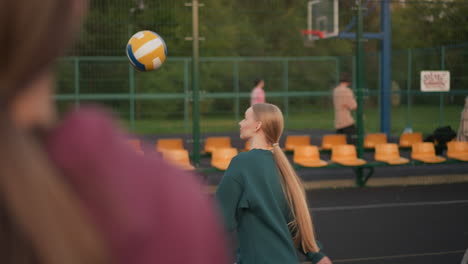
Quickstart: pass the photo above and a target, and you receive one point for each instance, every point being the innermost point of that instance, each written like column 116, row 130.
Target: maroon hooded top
column 148, row 211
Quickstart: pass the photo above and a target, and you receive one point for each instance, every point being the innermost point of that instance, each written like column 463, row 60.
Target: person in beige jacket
column 463, row 129
column 344, row 103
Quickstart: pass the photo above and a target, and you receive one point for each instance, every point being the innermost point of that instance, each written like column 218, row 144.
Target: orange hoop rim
column 317, row 33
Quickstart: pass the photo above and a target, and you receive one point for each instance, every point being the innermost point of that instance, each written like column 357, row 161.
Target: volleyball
column 146, row 51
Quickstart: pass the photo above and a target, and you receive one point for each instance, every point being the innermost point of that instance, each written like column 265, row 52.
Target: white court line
column 386, row 205
column 399, row 256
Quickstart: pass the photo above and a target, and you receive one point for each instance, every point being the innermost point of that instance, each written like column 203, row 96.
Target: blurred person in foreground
column 73, row 191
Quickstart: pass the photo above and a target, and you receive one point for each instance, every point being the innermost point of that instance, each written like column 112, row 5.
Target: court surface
column 399, row 225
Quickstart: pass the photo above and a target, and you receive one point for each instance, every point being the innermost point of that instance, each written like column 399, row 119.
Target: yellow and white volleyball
column 146, row 50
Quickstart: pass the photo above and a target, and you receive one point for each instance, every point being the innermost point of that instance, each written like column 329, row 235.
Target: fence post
column 441, row 94
column 380, row 87
column 77, row 82
column 408, row 87
column 195, row 84
column 286, row 88
column 360, row 85
column 236, row 89
column 186, row 95
column 353, row 72
column 131, row 81
column 338, row 70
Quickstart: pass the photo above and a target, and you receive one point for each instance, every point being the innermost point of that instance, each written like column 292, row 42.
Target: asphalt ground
column 398, row 225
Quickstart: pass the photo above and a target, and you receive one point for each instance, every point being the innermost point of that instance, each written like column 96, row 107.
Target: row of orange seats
column 370, row 140
column 174, row 152
column 328, row 141
column 309, row 156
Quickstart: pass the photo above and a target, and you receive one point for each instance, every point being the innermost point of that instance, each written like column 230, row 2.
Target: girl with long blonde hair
column 263, row 199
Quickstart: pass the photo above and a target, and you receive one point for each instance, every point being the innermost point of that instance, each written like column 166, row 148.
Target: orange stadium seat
column 425, row 152
column 169, row 143
column 213, row 143
column 408, row 139
column 308, row 156
column 371, row 140
column 221, row 157
column 346, row 155
column 328, row 141
column 457, row 150
column 178, row 157
column 247, row 146
column 295, row 141
column 389, row 153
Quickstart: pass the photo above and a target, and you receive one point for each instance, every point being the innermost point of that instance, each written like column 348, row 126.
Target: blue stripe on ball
column 134, row 61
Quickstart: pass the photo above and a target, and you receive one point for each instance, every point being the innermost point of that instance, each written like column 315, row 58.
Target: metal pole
column 236, row 90
column 195, row 84
column 337, row 70
column 379, row 91
column 359, row 85
column 353, row 70
column 286, row 88
column 77, row 82
column 385, row 67
column 441, row 94
column 131, row 71
column 408, row 88
column 131, row 81
column 187, row 94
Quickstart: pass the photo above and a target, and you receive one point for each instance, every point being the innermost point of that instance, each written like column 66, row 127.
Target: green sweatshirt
column 253, row 205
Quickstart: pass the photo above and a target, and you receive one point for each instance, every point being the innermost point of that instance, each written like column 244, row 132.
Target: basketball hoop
column 322, row 21
column 310, row 36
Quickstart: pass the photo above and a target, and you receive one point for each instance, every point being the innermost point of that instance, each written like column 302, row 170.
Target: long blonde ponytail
column 301, row 226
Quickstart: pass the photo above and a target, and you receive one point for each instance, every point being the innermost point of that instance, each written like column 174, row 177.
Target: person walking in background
column 462, row 134
column 257, row 95
column 344, row 102
column 72, row 191
column 262, row 198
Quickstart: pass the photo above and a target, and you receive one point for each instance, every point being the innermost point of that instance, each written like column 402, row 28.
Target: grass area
column 422, row 119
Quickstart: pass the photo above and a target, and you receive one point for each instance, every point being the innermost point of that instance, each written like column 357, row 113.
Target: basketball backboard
column 323, row 16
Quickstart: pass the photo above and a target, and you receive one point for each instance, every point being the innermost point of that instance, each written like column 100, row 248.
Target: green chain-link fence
column 249, row 39
column 159, row 102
